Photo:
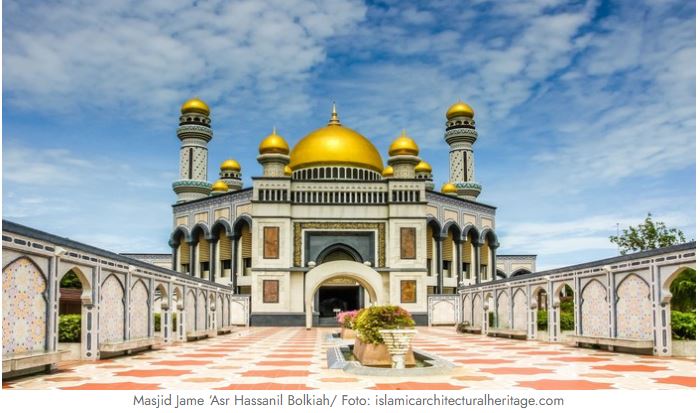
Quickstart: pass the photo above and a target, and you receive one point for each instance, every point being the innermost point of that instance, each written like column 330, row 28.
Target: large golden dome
column 195, row 105
column 274, row 143
column 335, row 145
column 459, row 109
column 403, row 145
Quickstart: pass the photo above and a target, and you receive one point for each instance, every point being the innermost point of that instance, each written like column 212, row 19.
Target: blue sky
column 585, row 110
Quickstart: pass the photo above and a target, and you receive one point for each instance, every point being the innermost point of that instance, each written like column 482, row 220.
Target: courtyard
column 293, row 358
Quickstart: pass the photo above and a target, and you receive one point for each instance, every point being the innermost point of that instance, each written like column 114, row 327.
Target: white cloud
column 143, row 60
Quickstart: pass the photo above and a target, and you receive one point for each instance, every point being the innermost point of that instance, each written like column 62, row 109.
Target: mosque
column 328, row 227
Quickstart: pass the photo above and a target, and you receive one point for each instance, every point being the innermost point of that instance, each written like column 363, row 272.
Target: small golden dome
column 335, row 145
column 219, row 186
column 460, row 109
column 287, row 170
column 449, row 188
column 195, row 105
column 274, row 143
column 231, row 165
column 424, row 166
column 403, row 145
column 388, row 171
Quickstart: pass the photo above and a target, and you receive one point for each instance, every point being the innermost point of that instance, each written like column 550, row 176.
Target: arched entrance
column 328, row 275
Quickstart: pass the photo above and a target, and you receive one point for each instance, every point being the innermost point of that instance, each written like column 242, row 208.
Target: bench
column 612, row 342
column 200, row 334
column 130, row 345
column 224, row 330
column 507, row 333
column 29, row 360
column 470, row 329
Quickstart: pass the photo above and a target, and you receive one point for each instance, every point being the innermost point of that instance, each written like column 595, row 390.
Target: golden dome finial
column 287, row 170
column 273, row 143
column 195, row 105
column 424, row 167
column 231, row 165
column 459, row 109
column 403, row 145
column 335, row 120
column 219, row 187
column 449, row 189
column 388, row 171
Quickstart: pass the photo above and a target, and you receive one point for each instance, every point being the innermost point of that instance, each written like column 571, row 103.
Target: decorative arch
column 489, row 235
column 477, row 311
column 520, row 309
column 139, row 316
column 633, row 308
column 666, row 284
column 190, row 311
column 364, row 275
column 197, row 228
column 501, row 274
column 179, row 232
column 432, row 222
column 220, row 311
column 520, row 271
column 594, row 310
column 85, row 281
column 111, row 314
column 559, row 289
column 24, row 287
column 470, row 230
column 503, row 308
column 452, row 226
column 535, row 294
column 201, row 311
column 239, row 222
column 352, row 252
column 161, row 294
column 218, row 225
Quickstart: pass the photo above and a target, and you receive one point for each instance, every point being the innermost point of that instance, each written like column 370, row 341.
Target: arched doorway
column 340, row 293
column 330, row 274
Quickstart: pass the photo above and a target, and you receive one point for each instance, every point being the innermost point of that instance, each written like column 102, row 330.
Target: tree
column 646, row 236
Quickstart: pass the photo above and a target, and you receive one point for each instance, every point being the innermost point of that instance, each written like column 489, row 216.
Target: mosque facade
column 328, row 227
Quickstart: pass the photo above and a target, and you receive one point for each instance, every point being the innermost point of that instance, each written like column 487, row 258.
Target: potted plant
column 370, row 348
column 346, row 319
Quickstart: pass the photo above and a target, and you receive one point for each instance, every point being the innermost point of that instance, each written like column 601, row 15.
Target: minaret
column 403, row 157
column 460, row 134
column 231, row 174
column 194, row 133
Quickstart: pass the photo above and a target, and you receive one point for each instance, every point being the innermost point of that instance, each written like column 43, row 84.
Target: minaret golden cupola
column 274, row 155
column 403, row 156
column 230, row 173
column 274, row 143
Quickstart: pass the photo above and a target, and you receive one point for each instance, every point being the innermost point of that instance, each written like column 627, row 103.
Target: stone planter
column 398, row 343
column 377, row 355
column 683, row 348
column 347, row 334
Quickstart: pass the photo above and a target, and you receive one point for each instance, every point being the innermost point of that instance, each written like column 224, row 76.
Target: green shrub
column 683, row 325
column 492, row 320
column 372, row 319
column 69, row 328
column 71, row 280
column 542, row 320
column 174, row 323
column 156, row 321
column 566, row 320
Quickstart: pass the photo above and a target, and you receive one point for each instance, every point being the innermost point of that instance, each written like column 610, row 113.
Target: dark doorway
column 343, row 298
